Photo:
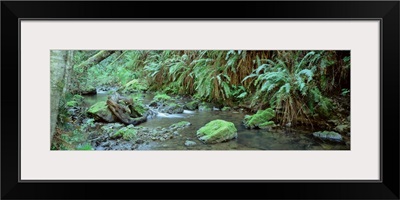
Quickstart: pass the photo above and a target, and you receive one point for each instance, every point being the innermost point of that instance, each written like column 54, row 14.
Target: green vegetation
column 162, row 98
column 298, row 85
column 273, row 88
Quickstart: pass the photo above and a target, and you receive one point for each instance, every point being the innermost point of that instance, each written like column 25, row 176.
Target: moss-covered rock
column 217, row 131
column 100, row 112
column 127, row 133
column 193, row 105
column 134, row 86
column 328, row 135
column 260, row 120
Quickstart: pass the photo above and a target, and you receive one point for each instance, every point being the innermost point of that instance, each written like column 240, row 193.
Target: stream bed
column 248, row 139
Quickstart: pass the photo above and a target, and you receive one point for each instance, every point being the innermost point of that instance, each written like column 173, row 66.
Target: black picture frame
column 386, row 11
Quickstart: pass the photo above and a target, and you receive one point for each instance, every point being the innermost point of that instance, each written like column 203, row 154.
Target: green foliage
column 72, row 103
column 84, row 147
column 345, row 92
column 291, row 83
column 295, row 83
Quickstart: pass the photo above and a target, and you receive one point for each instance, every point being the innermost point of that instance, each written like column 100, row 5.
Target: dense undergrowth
column 298, row 85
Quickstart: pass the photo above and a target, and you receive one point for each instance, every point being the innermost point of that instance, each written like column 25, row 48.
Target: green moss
column 126, row 133
column 260, row 120
column 139, row 107
column 100, row 112
column 72, row 103
column 99, row 106
column 217, row 131
column 162, row 97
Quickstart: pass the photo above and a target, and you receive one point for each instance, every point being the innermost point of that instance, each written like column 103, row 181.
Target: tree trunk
column 58, row 62
column 68, row 71
column 95, row 59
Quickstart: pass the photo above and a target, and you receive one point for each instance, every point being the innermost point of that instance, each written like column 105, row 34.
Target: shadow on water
column 255, row 139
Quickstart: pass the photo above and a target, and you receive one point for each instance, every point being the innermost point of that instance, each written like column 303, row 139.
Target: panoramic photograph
column 183, row 100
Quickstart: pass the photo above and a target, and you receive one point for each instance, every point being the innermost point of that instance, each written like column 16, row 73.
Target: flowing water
column 254, row 139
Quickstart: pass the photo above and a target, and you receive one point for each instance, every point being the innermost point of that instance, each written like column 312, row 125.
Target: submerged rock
column 181, row 124
column 260, row 120
column 217, row 131
column 328, row 135
column 189, row 143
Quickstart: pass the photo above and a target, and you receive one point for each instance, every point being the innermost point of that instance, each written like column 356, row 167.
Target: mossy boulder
column 328, row 135
column 193, row 105
column 217, row 131
column 135, row 86
column 262, row 119
column 126, row 133
column 100, row 112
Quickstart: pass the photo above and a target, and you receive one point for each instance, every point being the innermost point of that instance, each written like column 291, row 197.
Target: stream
column 248, row 139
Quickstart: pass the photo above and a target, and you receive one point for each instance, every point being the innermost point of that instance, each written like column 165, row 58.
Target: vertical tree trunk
column 58, row 63
column 68, row 71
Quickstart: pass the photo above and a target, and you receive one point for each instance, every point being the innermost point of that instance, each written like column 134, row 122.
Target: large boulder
column 328, row 135
column 217, row 131
column 100, row 112
column 262, row 119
